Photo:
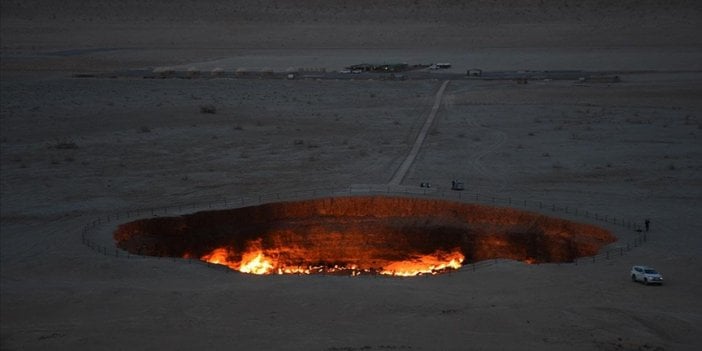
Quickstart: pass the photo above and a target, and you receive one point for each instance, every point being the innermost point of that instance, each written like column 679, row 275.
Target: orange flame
column 255, row 261
column 428, row 264
column 218, row 256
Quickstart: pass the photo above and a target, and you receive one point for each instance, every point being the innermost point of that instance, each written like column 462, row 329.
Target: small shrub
column 65, row 145
column 144, row 129
column 208, row 109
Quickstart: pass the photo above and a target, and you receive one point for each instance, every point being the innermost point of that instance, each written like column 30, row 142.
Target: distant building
column 474, row 72
column 385, row 67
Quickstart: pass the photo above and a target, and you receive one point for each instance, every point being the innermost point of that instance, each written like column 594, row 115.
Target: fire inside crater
column 355, row 235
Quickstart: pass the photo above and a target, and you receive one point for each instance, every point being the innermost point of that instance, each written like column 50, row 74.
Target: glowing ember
column 218, row 256
column 257, row 262
column 429, row 264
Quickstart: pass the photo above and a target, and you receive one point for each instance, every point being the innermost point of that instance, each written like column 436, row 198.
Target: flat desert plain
column 76, row 149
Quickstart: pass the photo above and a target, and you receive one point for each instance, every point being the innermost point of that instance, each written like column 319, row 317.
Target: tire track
column 475, row 161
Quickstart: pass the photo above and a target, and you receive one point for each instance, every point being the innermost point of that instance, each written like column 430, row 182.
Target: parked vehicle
column 646, row 275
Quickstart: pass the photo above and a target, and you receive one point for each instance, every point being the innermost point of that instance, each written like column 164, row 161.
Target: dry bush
column 65, row 145
column 208, row 109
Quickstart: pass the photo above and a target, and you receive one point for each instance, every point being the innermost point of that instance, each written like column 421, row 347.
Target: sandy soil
column 75, row 149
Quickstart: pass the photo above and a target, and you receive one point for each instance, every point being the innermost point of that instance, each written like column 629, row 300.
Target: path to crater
column 404, row 167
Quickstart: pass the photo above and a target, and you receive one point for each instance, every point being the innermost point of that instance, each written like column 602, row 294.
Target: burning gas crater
column 361, row 235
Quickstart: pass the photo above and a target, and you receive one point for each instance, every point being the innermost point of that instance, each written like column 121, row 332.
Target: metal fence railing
column 625, row 244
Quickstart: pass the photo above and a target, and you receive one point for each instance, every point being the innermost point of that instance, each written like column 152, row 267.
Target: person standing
column 647, row 224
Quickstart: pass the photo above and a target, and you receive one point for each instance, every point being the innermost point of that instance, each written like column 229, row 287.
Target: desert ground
column 76, row 149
